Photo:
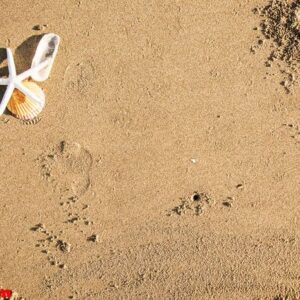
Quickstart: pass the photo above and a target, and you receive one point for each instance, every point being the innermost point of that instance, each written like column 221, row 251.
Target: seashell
column 24, row 107
column 45, row 54
column 33, row 121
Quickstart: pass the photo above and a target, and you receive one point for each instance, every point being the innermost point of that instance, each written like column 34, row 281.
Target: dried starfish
column 40, row 69
column 14, row 81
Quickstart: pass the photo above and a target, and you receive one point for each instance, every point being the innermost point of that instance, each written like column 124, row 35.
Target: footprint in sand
column 78, row 77
column 67, row 168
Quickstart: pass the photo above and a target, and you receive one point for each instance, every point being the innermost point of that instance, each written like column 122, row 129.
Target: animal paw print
column 294, row 130
column 67, row 168
column 50, row 245
column 76, row 219
column 194, row 205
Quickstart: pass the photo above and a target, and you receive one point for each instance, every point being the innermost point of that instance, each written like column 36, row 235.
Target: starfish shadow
column 24, row 53
column 3, row 70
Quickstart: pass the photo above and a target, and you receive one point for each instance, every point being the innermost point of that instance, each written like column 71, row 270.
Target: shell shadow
column 2, row 54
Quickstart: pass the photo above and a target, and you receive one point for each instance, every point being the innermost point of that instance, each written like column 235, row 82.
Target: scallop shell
column 45, row 53
column 24, row 107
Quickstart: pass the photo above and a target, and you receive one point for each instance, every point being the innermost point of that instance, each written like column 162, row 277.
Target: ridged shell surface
column 24, row 107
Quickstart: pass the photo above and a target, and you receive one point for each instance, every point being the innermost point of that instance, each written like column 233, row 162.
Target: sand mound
column 281, row 24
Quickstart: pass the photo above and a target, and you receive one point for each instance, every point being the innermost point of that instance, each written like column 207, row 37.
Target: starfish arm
column 11, row 63
column 28, row 92
column 31, row 71
column 4, row 81
column 24, row 75
column 6, row 97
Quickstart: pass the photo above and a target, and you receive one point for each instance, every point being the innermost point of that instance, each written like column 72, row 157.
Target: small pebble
column 50, row 238
column 93, row 238
column 62, row 266
column 38, row 227
column 63, row 246
column 260, row 42
column 39, row 27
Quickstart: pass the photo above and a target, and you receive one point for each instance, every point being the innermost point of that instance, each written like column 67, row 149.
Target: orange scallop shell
column 24, row 107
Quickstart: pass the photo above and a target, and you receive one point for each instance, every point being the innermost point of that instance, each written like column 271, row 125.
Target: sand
column 165, row 164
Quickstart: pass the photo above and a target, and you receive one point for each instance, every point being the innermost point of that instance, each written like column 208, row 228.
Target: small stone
column 73, row 220
column 113, row 285
column 227, row 204
column 38, row 227
column 73, row 199
column 260, row 42
column 62, row 266
column 268, row 64
column 50, row 238
column 63, row 246
column 93, row 238
column 39, row 27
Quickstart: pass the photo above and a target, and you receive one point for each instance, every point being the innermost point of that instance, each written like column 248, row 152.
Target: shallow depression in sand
column 67, row 168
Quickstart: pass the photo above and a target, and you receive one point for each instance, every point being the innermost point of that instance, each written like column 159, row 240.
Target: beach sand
column 165, row 164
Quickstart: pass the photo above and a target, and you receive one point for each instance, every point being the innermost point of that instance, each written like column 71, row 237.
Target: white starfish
column 14, row 81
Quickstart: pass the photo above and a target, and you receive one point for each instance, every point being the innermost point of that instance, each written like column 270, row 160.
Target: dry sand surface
column 166, row 164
